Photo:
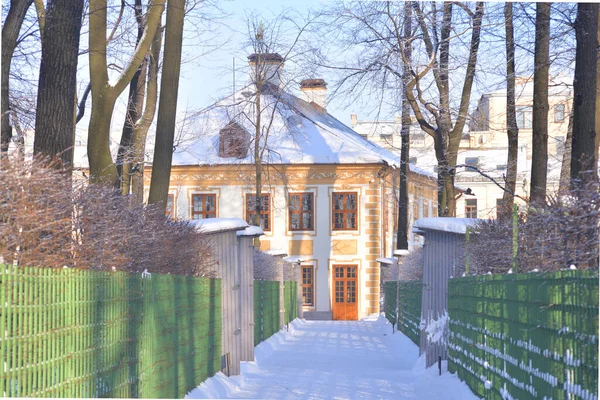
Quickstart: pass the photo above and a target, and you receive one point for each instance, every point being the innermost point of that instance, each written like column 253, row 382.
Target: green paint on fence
column 529, row 336
column 389, row 304
column 70, row 333
column 267, row 316
column 290, row 301
column 266, row 310
column 409, row 307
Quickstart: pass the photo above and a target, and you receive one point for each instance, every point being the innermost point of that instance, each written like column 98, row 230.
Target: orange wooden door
column 345, row 292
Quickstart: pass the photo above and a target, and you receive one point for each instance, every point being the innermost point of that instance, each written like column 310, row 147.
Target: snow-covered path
column 336, row 360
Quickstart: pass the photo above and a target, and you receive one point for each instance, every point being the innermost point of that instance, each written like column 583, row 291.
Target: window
column 412, row 160
column 301, row 211
column 204, row 206
column 524, row 117
column 386, row 136
column 471, row 208
column 170, row 213
column 344, row 211
column 559, row 113
column 308, row 285
column 265, row 210
column 472, row 162
column 501, row 167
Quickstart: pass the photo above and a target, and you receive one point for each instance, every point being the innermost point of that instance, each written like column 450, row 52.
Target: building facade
column 328, row 196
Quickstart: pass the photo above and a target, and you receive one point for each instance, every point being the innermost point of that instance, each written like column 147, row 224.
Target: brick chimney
column 314, row 91
column 267, row 67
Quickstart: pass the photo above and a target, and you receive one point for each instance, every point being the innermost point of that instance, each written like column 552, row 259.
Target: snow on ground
column 336, row 360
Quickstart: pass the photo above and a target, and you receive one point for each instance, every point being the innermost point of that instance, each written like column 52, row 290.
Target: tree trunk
column 140, row 130
column 584, row 151
column 10, row 35
column 539, row 160
column 259, row 82
column 512, row 130
column 54, row 122
column 167, row 107
column 135, row 103
column 104, row 94
column 402, row 234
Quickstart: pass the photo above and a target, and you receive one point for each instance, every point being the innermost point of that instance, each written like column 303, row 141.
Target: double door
column 345, row 292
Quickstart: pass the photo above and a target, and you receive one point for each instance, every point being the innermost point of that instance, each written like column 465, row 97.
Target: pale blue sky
column 209, row 77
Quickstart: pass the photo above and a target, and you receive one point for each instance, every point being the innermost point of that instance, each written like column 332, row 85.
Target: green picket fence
column 267, row 317
column 409, row 307
column 69, row 333
column 290, row 301
column 409, row 312
column 266, row 310
column 526, row 336
column 390, row 290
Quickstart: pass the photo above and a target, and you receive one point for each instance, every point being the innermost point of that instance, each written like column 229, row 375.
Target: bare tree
column 139, row 116
column 512, row 130
column 584, row 156
column 376, row 28
column 105, row 93
column 10, row 34
column 445, row 132
column 402, row 234
column 539, row 150
column 167, row 107
column 55, row 119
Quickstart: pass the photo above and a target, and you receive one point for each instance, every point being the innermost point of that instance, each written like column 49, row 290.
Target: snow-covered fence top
column 445, row 224
column 526, row 336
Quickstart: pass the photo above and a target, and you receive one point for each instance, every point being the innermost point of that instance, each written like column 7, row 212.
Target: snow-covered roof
column 215, row 225
column 444, row 224
column 251, row 231
column 277, row 253
column 300, row 133
column 293, row 259
column 386, row 261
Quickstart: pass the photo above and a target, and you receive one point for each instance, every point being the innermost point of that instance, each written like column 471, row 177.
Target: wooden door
column 345, row 292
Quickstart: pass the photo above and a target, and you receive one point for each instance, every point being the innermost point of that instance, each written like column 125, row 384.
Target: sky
column 209, row 77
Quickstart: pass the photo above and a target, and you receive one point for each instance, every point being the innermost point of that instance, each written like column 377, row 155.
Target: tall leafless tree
column 10, row 35
column 55, row 118
column 512, row 130
column 402, row 233
column 584, row 152
column 539, row 149
column 167, row 106
column 445, row 130
column 105, row 93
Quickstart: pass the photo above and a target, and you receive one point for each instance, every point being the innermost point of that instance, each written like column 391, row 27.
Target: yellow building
column 328, row 195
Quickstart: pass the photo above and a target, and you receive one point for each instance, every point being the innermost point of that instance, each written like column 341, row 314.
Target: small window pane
column 295, row 221
column 559, row 113
column 351, row 292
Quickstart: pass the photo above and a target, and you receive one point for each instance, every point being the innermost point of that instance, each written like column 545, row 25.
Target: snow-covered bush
column 269, row 268
column 411, row 268
column 563, row 233
column 48, row 220
column 266, row 266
